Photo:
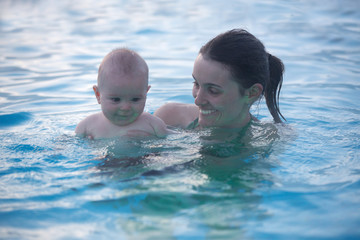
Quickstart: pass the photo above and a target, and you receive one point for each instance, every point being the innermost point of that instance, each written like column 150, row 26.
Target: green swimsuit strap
column 194, row 124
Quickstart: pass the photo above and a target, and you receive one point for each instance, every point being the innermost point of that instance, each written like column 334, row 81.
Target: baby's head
column 122, row 86
column 123, row 62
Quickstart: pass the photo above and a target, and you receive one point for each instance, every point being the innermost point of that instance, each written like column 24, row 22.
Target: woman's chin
column 203, row 122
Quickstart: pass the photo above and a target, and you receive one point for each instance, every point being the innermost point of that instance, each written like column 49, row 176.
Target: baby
column 121, row 92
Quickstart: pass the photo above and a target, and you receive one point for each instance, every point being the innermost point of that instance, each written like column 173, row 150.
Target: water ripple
column 14, row 119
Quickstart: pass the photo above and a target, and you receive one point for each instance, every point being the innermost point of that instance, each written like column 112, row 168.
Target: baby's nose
column 125, row 105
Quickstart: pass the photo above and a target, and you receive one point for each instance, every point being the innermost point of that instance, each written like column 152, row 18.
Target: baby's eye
column 136, row 99
column 116, row 99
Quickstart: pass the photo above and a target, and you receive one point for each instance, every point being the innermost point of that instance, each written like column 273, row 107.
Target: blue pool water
column 305, row 184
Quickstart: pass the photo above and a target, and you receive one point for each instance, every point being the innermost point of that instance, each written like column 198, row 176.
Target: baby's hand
column 90, row 137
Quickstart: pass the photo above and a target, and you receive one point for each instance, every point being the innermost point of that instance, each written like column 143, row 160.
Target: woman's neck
column 235, row 127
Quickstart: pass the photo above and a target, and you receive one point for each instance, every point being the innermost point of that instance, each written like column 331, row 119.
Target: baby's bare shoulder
column 84, row 124
column 93, row 118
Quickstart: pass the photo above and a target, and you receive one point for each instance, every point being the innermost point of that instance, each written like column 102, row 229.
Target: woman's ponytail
column 273, row 87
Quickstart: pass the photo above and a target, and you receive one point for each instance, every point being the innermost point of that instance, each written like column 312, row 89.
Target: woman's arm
column 177, row 114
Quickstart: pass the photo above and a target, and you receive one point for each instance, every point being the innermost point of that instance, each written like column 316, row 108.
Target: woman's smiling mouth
column 207, row 112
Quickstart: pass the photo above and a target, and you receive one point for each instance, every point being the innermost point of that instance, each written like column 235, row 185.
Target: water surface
column 303, row 184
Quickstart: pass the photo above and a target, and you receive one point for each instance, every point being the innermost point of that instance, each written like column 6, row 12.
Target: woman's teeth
column 206, row 112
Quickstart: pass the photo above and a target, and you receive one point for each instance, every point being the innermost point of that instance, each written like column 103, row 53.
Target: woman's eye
column 196, row 84
column 214, row 91
column 115, row 99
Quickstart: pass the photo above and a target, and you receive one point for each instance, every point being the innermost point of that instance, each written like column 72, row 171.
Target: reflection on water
column 299, row 181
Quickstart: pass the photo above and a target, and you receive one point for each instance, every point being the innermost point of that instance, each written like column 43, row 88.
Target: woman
column 231, row 72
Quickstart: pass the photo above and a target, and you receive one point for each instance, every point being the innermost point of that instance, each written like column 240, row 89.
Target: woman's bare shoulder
column 177, row 114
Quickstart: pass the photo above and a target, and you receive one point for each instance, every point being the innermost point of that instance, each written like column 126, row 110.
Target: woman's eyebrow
column 208, row 84
column 213, row 85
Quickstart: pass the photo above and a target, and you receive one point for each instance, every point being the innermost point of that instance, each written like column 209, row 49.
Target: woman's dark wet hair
column 249, row 63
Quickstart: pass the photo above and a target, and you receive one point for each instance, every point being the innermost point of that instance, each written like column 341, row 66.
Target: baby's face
column 123, row 97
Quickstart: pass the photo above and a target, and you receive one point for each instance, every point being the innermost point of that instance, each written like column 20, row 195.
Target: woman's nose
column 199, row 97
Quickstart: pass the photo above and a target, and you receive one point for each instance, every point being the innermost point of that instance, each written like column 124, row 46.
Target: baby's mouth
column 124, row 116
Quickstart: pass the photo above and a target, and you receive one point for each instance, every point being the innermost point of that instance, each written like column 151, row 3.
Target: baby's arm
column 81, row 128
column 160, row 127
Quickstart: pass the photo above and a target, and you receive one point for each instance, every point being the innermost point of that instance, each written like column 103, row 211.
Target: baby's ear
column 148, row 88
column 97, row 93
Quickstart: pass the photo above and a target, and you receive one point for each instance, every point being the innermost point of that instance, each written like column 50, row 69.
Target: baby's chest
column 124, row 131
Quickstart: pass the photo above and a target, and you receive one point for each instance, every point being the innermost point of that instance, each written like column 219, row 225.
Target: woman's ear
column 97, row 93
column 254, row 92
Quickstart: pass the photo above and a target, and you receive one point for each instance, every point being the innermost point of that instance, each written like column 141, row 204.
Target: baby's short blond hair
column 123, row 61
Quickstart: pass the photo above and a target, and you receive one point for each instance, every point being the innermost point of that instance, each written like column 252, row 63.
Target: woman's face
column 218, row 96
